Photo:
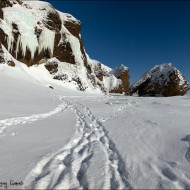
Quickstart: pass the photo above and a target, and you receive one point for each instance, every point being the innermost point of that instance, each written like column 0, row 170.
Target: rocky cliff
column 35, row 33
column 162, row 80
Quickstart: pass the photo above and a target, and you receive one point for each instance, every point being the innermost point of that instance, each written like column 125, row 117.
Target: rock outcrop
column 115, row 80
column 5, row 59
column 162, row 80
column 121, row 73
column 38, row 34
column 2, row 59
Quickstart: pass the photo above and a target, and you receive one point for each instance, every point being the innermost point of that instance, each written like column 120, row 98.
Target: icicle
column 46, row 40
column 10, row 41
column 17, row 46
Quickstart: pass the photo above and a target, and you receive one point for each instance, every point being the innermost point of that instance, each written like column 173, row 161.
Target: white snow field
column 64, row 139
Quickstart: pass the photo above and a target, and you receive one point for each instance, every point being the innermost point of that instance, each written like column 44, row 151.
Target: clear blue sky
column 138, row 34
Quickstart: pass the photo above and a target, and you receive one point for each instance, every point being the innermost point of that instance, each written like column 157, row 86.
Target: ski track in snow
column 187, row 154
column 7, row 124
column 67, row 167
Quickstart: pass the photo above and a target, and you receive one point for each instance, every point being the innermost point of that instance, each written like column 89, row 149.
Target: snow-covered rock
column 35, row 33
column 121, row 73
column 162, row 80
column 114, row 80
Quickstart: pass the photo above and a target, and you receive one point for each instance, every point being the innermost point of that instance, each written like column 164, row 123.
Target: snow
column 94, row 63
column 63, row 138
column 111, row 82
column 8, row 31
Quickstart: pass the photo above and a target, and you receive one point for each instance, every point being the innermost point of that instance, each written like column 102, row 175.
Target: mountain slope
column 35, row 33
column 161, row 80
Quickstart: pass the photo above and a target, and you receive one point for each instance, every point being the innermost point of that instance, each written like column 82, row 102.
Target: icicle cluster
column 27, row 39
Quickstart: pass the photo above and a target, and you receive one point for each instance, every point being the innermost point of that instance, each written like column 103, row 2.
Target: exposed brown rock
column 100, row 73
column 3, row 38
column 61, row 77
column 73, row 27
column 51, row 87
column 161, row 82
column 79, row 83
column 52, row 67
column 100, row 76
column 121, row 73
column 54, row 21
column 19, row 1
column 3, row 4
column 38, row 32
column 63, row 51
column 11, row 63
column 2, row 60
column 86, row 64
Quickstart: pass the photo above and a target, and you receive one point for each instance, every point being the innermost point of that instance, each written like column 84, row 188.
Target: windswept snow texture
column 65, row 139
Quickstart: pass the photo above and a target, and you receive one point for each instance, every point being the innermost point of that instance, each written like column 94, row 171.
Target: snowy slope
column 61, row 138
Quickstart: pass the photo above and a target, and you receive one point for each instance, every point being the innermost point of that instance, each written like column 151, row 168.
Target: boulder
column 162, row 80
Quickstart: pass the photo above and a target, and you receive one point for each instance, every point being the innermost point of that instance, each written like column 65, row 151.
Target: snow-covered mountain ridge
column 35, row 33
column 161, row 80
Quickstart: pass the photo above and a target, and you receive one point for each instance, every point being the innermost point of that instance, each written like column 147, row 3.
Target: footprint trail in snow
column 67, row 167
column 7, row 124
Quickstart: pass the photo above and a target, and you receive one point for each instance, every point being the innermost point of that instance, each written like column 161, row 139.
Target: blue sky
column 138, row 34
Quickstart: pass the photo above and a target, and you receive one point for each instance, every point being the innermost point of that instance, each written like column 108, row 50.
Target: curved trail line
column 7, row 124
column 115, row 112
column 67, row 167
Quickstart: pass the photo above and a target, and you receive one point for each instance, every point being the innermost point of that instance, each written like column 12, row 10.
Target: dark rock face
column 53, row 22
column 163, row 80
column 63, row 51
column 100, row 73
column 52, row 67
column 121, row 73
column 73, row 27
column 2, row 60
column 11, row 63
column 3, row 4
